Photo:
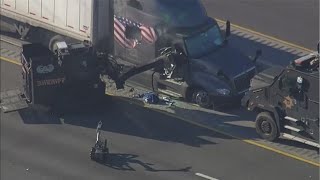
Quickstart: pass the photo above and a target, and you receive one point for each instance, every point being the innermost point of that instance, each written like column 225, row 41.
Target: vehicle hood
column 226, row 60
column 265, row 78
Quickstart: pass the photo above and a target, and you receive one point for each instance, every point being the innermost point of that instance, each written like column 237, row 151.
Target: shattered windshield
column 204, row 42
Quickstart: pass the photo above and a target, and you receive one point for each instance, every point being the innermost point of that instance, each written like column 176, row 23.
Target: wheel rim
column 202, row 98
column 266, row 127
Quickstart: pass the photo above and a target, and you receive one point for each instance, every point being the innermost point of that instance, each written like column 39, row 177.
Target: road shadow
column 126, row 162
column 232, row 120
column 42, row 115
column 273, row 53
column 251, row 116
column 129, row 118
column 135, row 120
column 32, row 116
column 296, row 144
column 238, row 122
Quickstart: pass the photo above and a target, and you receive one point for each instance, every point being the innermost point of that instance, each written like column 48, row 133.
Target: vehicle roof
column 313, row 73
column 308, row 65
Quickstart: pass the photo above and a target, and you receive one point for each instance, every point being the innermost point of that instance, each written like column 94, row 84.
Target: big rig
column 88, row 36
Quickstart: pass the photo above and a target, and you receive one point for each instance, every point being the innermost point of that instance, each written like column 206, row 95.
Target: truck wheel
column 52, row 44
column 266, row 126
column 202, row 98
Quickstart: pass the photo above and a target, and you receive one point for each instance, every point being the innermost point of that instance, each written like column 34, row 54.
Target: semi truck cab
column 212, row 72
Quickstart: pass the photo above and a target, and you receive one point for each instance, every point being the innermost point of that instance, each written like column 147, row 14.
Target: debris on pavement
column 153, row 98
column 167, row 101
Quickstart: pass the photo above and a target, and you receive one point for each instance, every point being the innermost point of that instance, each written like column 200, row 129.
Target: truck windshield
column 181, row 13
column 204, row 42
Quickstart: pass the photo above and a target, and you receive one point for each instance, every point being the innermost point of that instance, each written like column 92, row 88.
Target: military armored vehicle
column 287, row 101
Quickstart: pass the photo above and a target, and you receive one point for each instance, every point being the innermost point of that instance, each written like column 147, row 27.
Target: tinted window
column 204, row 42
column 309, row 86
column 288, row 81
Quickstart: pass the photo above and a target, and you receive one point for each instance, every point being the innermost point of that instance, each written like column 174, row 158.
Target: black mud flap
column 12, row 100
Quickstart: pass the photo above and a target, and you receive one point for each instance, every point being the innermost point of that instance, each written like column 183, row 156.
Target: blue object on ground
column 151, row 98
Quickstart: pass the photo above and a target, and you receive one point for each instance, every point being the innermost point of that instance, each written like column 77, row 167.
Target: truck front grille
column 242, row 82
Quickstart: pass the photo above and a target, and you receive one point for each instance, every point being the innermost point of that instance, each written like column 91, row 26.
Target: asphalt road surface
column 144, row 145
column 296, row 21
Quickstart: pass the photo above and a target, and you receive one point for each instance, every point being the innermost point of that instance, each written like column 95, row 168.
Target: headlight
column 223, row 91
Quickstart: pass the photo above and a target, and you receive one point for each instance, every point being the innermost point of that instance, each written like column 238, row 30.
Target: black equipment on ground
column 99, row 152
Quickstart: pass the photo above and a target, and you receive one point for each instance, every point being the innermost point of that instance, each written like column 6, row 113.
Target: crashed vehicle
column 212, row 72
column 63, row 68
column 287, row 101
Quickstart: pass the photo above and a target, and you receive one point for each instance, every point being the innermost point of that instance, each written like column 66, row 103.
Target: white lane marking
column 205, row 176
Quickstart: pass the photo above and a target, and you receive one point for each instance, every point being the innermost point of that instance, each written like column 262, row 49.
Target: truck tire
column 266, row 126
column 201, row 98
column 53, row 41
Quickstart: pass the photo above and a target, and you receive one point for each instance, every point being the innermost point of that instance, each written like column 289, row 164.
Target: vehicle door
column 124, row 44
column 141, row 33
column 145, row 31
column 286, row 94
column 311, row 117
column 172, row 78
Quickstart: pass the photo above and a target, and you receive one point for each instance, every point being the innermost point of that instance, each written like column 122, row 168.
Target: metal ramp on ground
column 12, row 100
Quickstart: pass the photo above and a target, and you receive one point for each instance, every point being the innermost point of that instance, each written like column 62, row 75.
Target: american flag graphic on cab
column 148, row 34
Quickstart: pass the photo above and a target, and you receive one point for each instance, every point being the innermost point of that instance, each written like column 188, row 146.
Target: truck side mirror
column 228, row 31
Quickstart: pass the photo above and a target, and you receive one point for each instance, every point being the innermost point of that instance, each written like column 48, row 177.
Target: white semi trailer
column 49, row 21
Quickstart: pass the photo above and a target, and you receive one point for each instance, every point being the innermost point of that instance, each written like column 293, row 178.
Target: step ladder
column 295, row 138
column 291, row 119
column 12, row 100
column 292, row 128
